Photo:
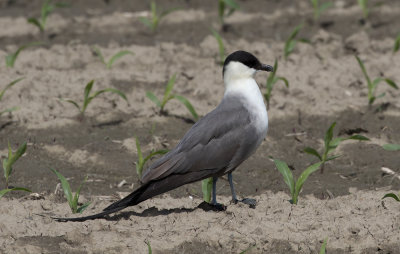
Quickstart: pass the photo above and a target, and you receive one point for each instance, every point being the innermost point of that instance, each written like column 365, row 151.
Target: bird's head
column 241, row 64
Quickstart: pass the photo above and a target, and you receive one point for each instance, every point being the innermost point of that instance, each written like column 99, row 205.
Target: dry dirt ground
column 326, row 85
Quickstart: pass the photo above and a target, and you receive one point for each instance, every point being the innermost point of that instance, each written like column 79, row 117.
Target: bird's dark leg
column 214, row 202
column 251, row 202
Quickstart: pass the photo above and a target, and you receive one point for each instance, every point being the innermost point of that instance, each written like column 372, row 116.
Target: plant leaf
column 188, row 105
column 146, row 22
column 166, row 12
column 232, row 4
column 65, row 186
column 36, row 23
column 391, row 147
column 206, row 187
column 325, row 6
column 11, row 58
column 359, row 137
column 86, row 94
column 110, row 90
column 303, row 177
column 153, row 98
column 149, row 248
column 221, row 46
column 152, row 154
column 332, row 157
column 287, row 174
column 284, row 81
column 323, row 246
column 392, row 195
column 312, row 151
column 396, row 44
column 329, row 135
column 9, row 110
column 72, row 102
column 391, row 83
column 12, row 158
column 8, row 86
column 364, row 71
column 168, row 89
column 118, row 56
column 99, row 54
column 83, row 207
column 5, row 191
column 76, row 196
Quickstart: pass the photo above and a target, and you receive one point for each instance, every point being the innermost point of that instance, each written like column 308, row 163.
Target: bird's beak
column 266, row 67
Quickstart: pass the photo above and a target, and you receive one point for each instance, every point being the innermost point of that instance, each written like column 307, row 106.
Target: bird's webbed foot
column 248, row 201
column 218, row 206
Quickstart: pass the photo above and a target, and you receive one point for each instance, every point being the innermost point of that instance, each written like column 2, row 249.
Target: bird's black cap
column 247, row 59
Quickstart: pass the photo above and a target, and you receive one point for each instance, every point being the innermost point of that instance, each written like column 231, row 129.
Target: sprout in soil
column 323, row 246
column 47, row 8
column 72, row 199
column 271, row 80
column 226, row 8
column 2, row 92
column 292, row 41
column 221, row 46
column 87, row 97
column 206, row 188
column 114, row 58
column 392, row 195
column 330, row 144
column 391, row 147
column 8, row 167
column 155, row 19
column 142, row 161
column 372, row 85
column 319, row 8
column 12, row 57
column 364, row 6
column 168, row 96
column 295, row 187
column 396, row 44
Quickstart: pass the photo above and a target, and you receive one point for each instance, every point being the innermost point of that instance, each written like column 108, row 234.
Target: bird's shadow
column 153, row 212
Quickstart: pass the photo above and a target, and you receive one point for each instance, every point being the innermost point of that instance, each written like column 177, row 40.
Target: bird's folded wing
column 213, row 143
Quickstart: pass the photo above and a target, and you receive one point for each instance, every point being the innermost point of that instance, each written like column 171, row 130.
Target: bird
column 215, row 145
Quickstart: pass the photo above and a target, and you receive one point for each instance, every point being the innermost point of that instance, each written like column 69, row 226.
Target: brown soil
column 326, row 85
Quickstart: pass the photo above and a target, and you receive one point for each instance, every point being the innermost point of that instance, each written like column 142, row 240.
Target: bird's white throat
column 239, row 81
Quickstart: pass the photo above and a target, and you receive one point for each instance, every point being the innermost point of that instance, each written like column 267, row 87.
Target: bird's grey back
column 217, row 143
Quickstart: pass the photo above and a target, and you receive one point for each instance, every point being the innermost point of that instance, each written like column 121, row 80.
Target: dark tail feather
column 91, row 217
column 130, row 200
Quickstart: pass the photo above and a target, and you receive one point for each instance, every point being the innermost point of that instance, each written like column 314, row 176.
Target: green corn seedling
column 114, row 58
column 364, row 6
column 392, row 195
column 330, row 144
column 319, row 8
column 87, row 97
column 391, row 147
column 168, row 96
column 12, row 57
column 323, row 246
column 47, row 8
column 226, row 8
column 271, row 80
column 142, row 161
column 2, row 92
column 149, row 248
column 292, row 41
column 396, row 44
column 206, row 187
column 8, row 168
column 156, row 17
column 295, row 187
column 372, row 85
column 72, row 199
column 221, row 47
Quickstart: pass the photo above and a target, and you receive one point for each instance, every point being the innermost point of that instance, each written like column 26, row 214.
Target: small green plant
column 391, row 147
column 221, row 47
column 372, row 85
column 364, row 6
column 114, row 58
column 142, row 161
column 2, row 92
column 323, row 246
column 47, row 8
column 226, row 8
column 156, row 17
column 72, row 199
column 12, row 57
column 8, row 168
column 292, row 41
column 295, row 187
column 319, row 8
column 206, row 187
column 87, row 97
column 330, row 144
column 392, row 195
column 168, row 96
column 149, row 247
column 396, row 44
column 271, row 80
